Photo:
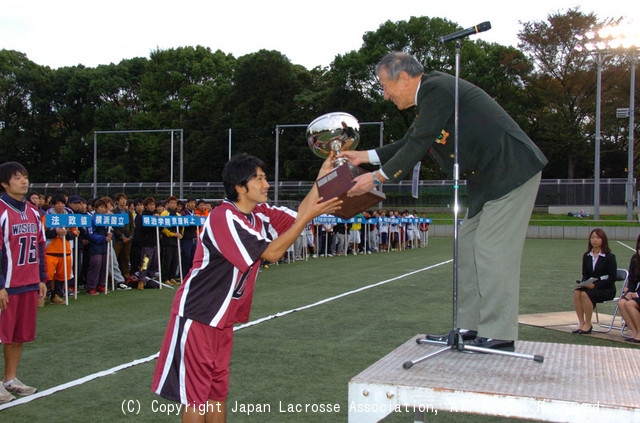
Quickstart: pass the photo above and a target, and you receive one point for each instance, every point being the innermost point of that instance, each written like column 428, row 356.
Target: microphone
column 484, row 26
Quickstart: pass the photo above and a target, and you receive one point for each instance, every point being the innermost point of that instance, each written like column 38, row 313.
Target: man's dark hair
column 238, row 171
column 8, row 169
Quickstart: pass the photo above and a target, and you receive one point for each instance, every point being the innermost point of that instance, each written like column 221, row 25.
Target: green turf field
column 303, row 357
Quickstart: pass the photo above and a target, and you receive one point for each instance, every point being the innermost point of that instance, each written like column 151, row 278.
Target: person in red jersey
column 22, row 273
column 193, row 365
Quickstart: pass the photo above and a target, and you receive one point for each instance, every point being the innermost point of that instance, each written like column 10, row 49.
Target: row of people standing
column 388, row 233
column 134, row 248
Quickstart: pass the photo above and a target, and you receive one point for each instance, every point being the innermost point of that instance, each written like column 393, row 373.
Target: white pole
column 64, row 264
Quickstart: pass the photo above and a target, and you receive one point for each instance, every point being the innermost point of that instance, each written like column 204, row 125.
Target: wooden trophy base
column 340, row 180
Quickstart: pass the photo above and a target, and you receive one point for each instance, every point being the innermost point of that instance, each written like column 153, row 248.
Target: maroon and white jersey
column 22, row 246
column 219, row 288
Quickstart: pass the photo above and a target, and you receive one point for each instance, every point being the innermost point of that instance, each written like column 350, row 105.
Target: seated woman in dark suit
column 599, row 263
column 629, row 303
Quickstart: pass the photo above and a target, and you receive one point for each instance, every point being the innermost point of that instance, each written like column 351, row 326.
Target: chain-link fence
column 552, row 192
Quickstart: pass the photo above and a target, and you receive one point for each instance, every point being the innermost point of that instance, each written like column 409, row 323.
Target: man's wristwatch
column 376, row 181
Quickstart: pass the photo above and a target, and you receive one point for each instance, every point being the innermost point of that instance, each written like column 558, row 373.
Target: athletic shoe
column 19, row 388
column 57, row 299
column 123, row 287
column 101, row 289
column 5, row 396
column 93, row 292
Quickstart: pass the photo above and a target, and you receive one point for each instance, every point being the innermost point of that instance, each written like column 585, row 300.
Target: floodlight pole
column 596, row 171
column 630, row 184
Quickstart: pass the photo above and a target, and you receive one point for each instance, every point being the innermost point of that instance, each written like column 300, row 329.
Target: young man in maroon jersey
column 193, row 366
column 22, row 272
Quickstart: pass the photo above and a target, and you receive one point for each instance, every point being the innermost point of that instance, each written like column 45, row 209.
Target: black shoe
column 576, row 330
column 585, row 332
column 494, row 344
column 467, row 335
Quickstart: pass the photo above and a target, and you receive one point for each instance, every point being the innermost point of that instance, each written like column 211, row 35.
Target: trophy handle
column 336, row 145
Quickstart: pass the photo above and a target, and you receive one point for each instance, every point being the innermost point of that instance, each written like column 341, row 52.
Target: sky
column 71, row 32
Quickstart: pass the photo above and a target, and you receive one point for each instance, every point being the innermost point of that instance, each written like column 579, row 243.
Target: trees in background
column 48, row 117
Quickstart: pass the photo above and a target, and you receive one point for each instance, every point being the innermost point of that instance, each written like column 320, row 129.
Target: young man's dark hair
column 238, row 171
column 8, row 169
column 58, row 198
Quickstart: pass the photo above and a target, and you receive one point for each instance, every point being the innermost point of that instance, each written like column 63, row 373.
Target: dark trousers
column 170, row 261
column 97, row 272
column 188, row 250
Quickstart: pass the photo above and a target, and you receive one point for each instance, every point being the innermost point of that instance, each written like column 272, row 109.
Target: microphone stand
column 454, row 339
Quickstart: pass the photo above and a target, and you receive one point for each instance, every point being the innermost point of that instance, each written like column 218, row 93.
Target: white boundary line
column 326, row 300
column 113, row 370
column 625, row 245
column 53, row 390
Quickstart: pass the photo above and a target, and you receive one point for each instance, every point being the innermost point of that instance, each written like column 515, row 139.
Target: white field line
column 625, row 245
column 113, row 370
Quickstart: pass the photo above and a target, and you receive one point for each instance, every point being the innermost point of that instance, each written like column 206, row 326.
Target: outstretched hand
column 325, row 207
column 327, row 165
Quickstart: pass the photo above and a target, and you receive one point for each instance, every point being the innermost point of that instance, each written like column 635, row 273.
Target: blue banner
column 53, row 220
column 167, row 221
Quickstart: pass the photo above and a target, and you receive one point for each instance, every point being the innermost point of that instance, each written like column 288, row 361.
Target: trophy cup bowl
column 333, row 132
column 336, row 132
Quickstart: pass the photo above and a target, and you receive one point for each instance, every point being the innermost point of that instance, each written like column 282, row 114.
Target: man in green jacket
column 502, row 167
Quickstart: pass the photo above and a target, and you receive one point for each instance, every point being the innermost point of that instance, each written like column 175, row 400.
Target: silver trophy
column 333, row 132
column 339, row 131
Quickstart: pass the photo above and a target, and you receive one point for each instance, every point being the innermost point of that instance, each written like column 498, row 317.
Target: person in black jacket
column 629, row 303
column 148, row 244
column 599, row 265
column 189, row 236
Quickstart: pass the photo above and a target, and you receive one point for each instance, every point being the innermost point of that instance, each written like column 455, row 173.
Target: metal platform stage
column 575, row 383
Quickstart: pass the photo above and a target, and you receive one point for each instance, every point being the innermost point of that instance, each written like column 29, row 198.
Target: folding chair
column 621, row 275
